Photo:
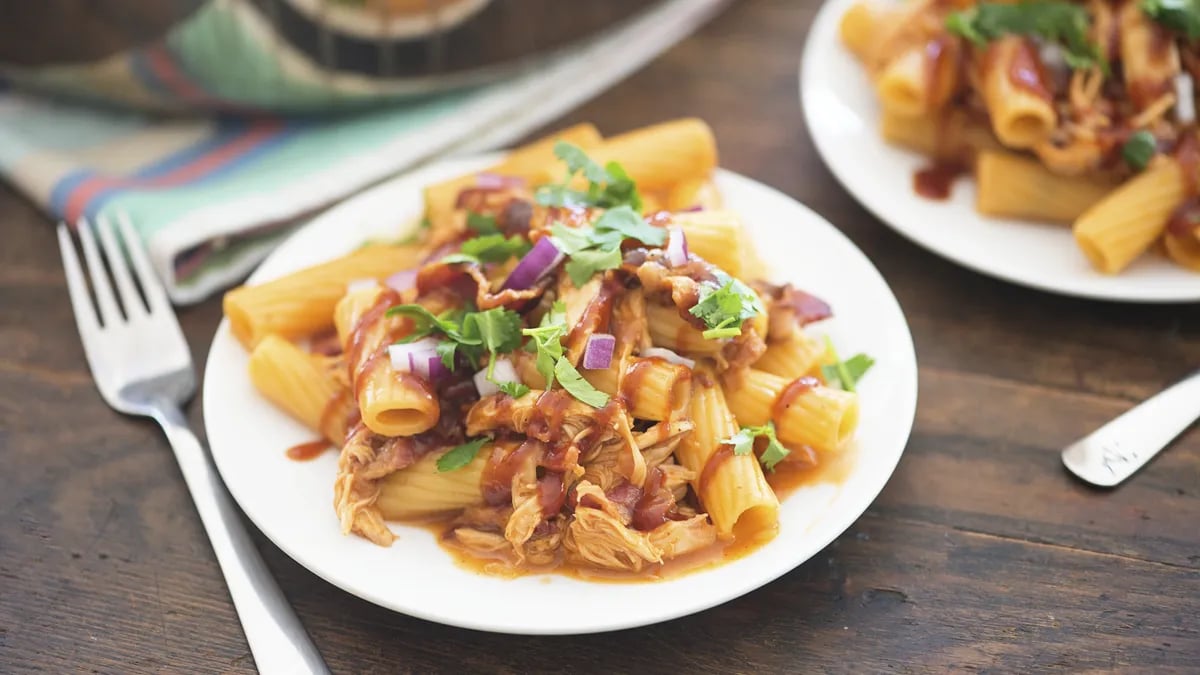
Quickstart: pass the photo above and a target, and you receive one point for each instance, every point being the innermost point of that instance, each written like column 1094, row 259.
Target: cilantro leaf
column 491, row 248
column 742, row 441
column 571, row 240
column 469, row 333
column 481, row 223
column 547, row 340
column 723, row 330
column 621, row 189
column 460, row 455
column 559, row 195
column 724, row 306
column 1182, row 16
column 497, row 330
column 424, row 322
column 631, row 225
column 446, row 349
column 1139, row 149
column 514, row 389
column 597, row 247
column 608, row 186
column 845, row 374
column 577, row 160
column 963, row 24
column 1055, row 21
column 743, row 444
column 573, row 382
column 583, row 264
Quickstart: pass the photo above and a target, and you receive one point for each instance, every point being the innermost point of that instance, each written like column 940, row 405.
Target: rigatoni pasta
column 561, row 374
column 1064, row 111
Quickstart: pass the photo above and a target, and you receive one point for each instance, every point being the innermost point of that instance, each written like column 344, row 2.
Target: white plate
column 291, row 502
column 843, row 118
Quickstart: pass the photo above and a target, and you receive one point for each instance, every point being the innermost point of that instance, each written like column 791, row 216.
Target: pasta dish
column 571, row 366
column 1080, row 113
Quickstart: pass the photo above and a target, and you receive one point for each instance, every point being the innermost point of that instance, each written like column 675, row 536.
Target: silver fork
column 142, row 366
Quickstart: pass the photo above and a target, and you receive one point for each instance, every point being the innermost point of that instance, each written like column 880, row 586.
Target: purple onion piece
column 494, row 181
column 677, row 248
column 598, row 353
column 436, row 369
column 540, row 261
column 402, row 280
column 414, row 357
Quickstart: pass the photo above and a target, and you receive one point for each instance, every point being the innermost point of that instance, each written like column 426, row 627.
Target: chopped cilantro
column 743, row 444
column 845, row 374
column 446, row 349
column 553, row 365
column 481, row 223
column 571, row 240
column 460, row 455
column 597, row 247
column 547, row 340
column 583, row 264
column 489, row 248
column 608, row 186
column 631, row 225
column 494, row 331
column 577, row 160
column 573, row 382
column 724, row 306
column 1056, row 21
column 1182, row 16
column 425, row 322
column 1139, row 149
column 514, row 389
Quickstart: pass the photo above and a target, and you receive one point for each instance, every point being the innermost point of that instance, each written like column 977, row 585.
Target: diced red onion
column 1185, row 103
column 496, row 181
column 598, row 353
column 677, row 248
column 502, row 372
column 402, row 280
column 540, row 261
column 360, row 285
column 694, row 208
column 668, row 356
column 419, row 358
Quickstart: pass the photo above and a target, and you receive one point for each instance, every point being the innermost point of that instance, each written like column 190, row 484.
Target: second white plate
column 843, row 118
column 291, row 502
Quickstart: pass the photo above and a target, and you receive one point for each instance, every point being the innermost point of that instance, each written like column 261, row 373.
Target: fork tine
column 156, row 297
column 109, row 314
column 130, row 299
column 85, row 313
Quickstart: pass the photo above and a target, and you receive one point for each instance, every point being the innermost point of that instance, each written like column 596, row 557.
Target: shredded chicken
column 599, row 535
column 365, row 458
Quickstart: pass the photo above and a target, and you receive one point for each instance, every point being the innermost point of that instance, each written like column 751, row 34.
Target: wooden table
column 981, row 553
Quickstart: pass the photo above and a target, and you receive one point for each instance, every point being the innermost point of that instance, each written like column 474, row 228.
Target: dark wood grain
column 981, row 553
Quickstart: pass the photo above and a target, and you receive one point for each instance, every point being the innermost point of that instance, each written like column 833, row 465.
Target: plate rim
column 824, row 25
column 907, row 396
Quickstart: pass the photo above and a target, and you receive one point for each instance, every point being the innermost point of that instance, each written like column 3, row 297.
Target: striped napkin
column 212, row 196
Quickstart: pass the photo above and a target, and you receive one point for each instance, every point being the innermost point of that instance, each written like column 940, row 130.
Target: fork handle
column 275, row 635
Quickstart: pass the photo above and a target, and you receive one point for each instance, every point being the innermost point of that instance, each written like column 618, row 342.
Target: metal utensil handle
column 276, row 637
column 1116, row 450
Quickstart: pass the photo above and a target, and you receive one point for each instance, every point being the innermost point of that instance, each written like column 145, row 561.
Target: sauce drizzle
column 935, row 181
column 304, row 452
column 1026, row 72
column 789, row 394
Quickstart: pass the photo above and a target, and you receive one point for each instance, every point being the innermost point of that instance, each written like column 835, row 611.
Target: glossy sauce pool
column 787, row 478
